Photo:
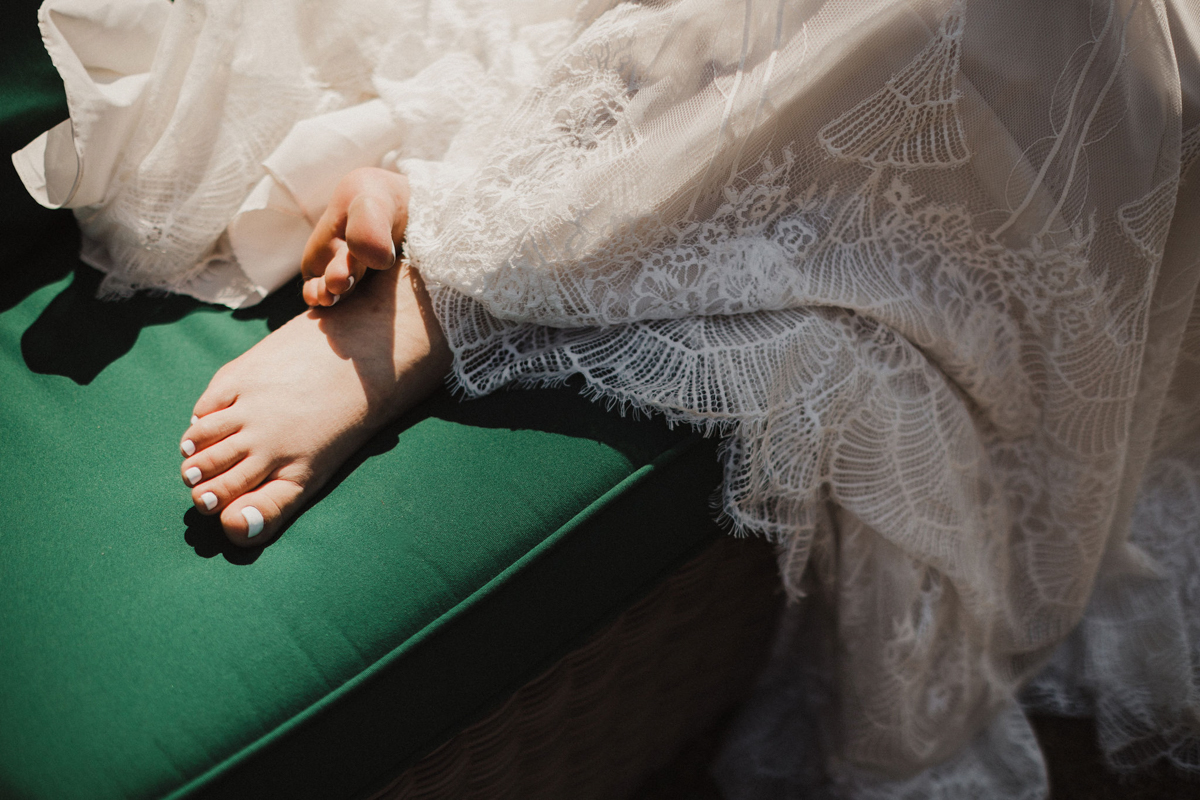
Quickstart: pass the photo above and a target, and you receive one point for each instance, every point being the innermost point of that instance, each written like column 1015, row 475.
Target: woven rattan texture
column 607, row 714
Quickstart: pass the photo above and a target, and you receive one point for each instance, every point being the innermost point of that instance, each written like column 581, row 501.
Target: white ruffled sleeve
column 104, row 52
column 206, row 137
column 181, row 126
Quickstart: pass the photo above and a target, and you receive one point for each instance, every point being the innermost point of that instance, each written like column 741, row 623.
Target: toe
column 206, row 431
column 221, row 393
column 212, row 461
column 341, row 284
column 369, row 231
column 312, row 291
column 255, row 518
column 212, row 493
column 316, row 293
column 342, row 273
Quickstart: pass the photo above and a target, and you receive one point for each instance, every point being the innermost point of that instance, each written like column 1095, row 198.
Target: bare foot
column 366, row 217
column 276, row 422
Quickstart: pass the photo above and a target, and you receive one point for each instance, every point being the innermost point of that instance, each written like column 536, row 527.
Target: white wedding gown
column 928, row 266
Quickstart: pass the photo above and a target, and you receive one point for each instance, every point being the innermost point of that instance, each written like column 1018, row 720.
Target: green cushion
column 463, row 550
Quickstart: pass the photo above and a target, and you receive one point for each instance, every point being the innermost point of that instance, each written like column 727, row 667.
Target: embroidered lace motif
column 963, row 398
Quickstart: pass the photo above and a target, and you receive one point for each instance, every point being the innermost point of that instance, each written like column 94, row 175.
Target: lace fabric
column 928, row 266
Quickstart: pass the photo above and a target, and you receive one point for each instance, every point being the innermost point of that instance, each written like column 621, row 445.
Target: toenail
column 195, row 419
column 193, row 475
column 209, row 499
column 254, row 519
column 350, row 285
column 336, row 297
column 188, row 447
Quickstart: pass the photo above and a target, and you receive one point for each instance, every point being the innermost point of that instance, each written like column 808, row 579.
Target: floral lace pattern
column 962, row 394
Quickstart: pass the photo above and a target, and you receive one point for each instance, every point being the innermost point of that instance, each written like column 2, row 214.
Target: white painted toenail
column 254, row 519
column 188, row 447
column 209, row 499
column 195, row 419
column 336, row 297
column 193, row 475
column 351, row 284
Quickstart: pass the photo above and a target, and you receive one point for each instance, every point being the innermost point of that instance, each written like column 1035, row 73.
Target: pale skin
column 275, row 423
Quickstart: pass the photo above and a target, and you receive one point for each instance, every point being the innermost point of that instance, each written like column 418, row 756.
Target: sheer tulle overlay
column 928, row 266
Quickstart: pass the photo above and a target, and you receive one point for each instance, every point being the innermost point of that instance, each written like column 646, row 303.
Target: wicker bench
column 521, row 596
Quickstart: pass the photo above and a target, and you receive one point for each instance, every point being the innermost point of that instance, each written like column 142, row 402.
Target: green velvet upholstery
column 466, row 548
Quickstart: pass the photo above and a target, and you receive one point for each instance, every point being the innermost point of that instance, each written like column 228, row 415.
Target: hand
column 359, row 230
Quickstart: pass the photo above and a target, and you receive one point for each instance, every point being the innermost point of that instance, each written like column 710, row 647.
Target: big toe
column 256, row 517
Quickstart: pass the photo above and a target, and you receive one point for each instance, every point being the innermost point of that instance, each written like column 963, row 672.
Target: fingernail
column 336, row 297
column 393, row 245
column 254, row 519
column 193, row 475
column 351, row 284
column 188, row 447
column 209, row 499
column 195, row 419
